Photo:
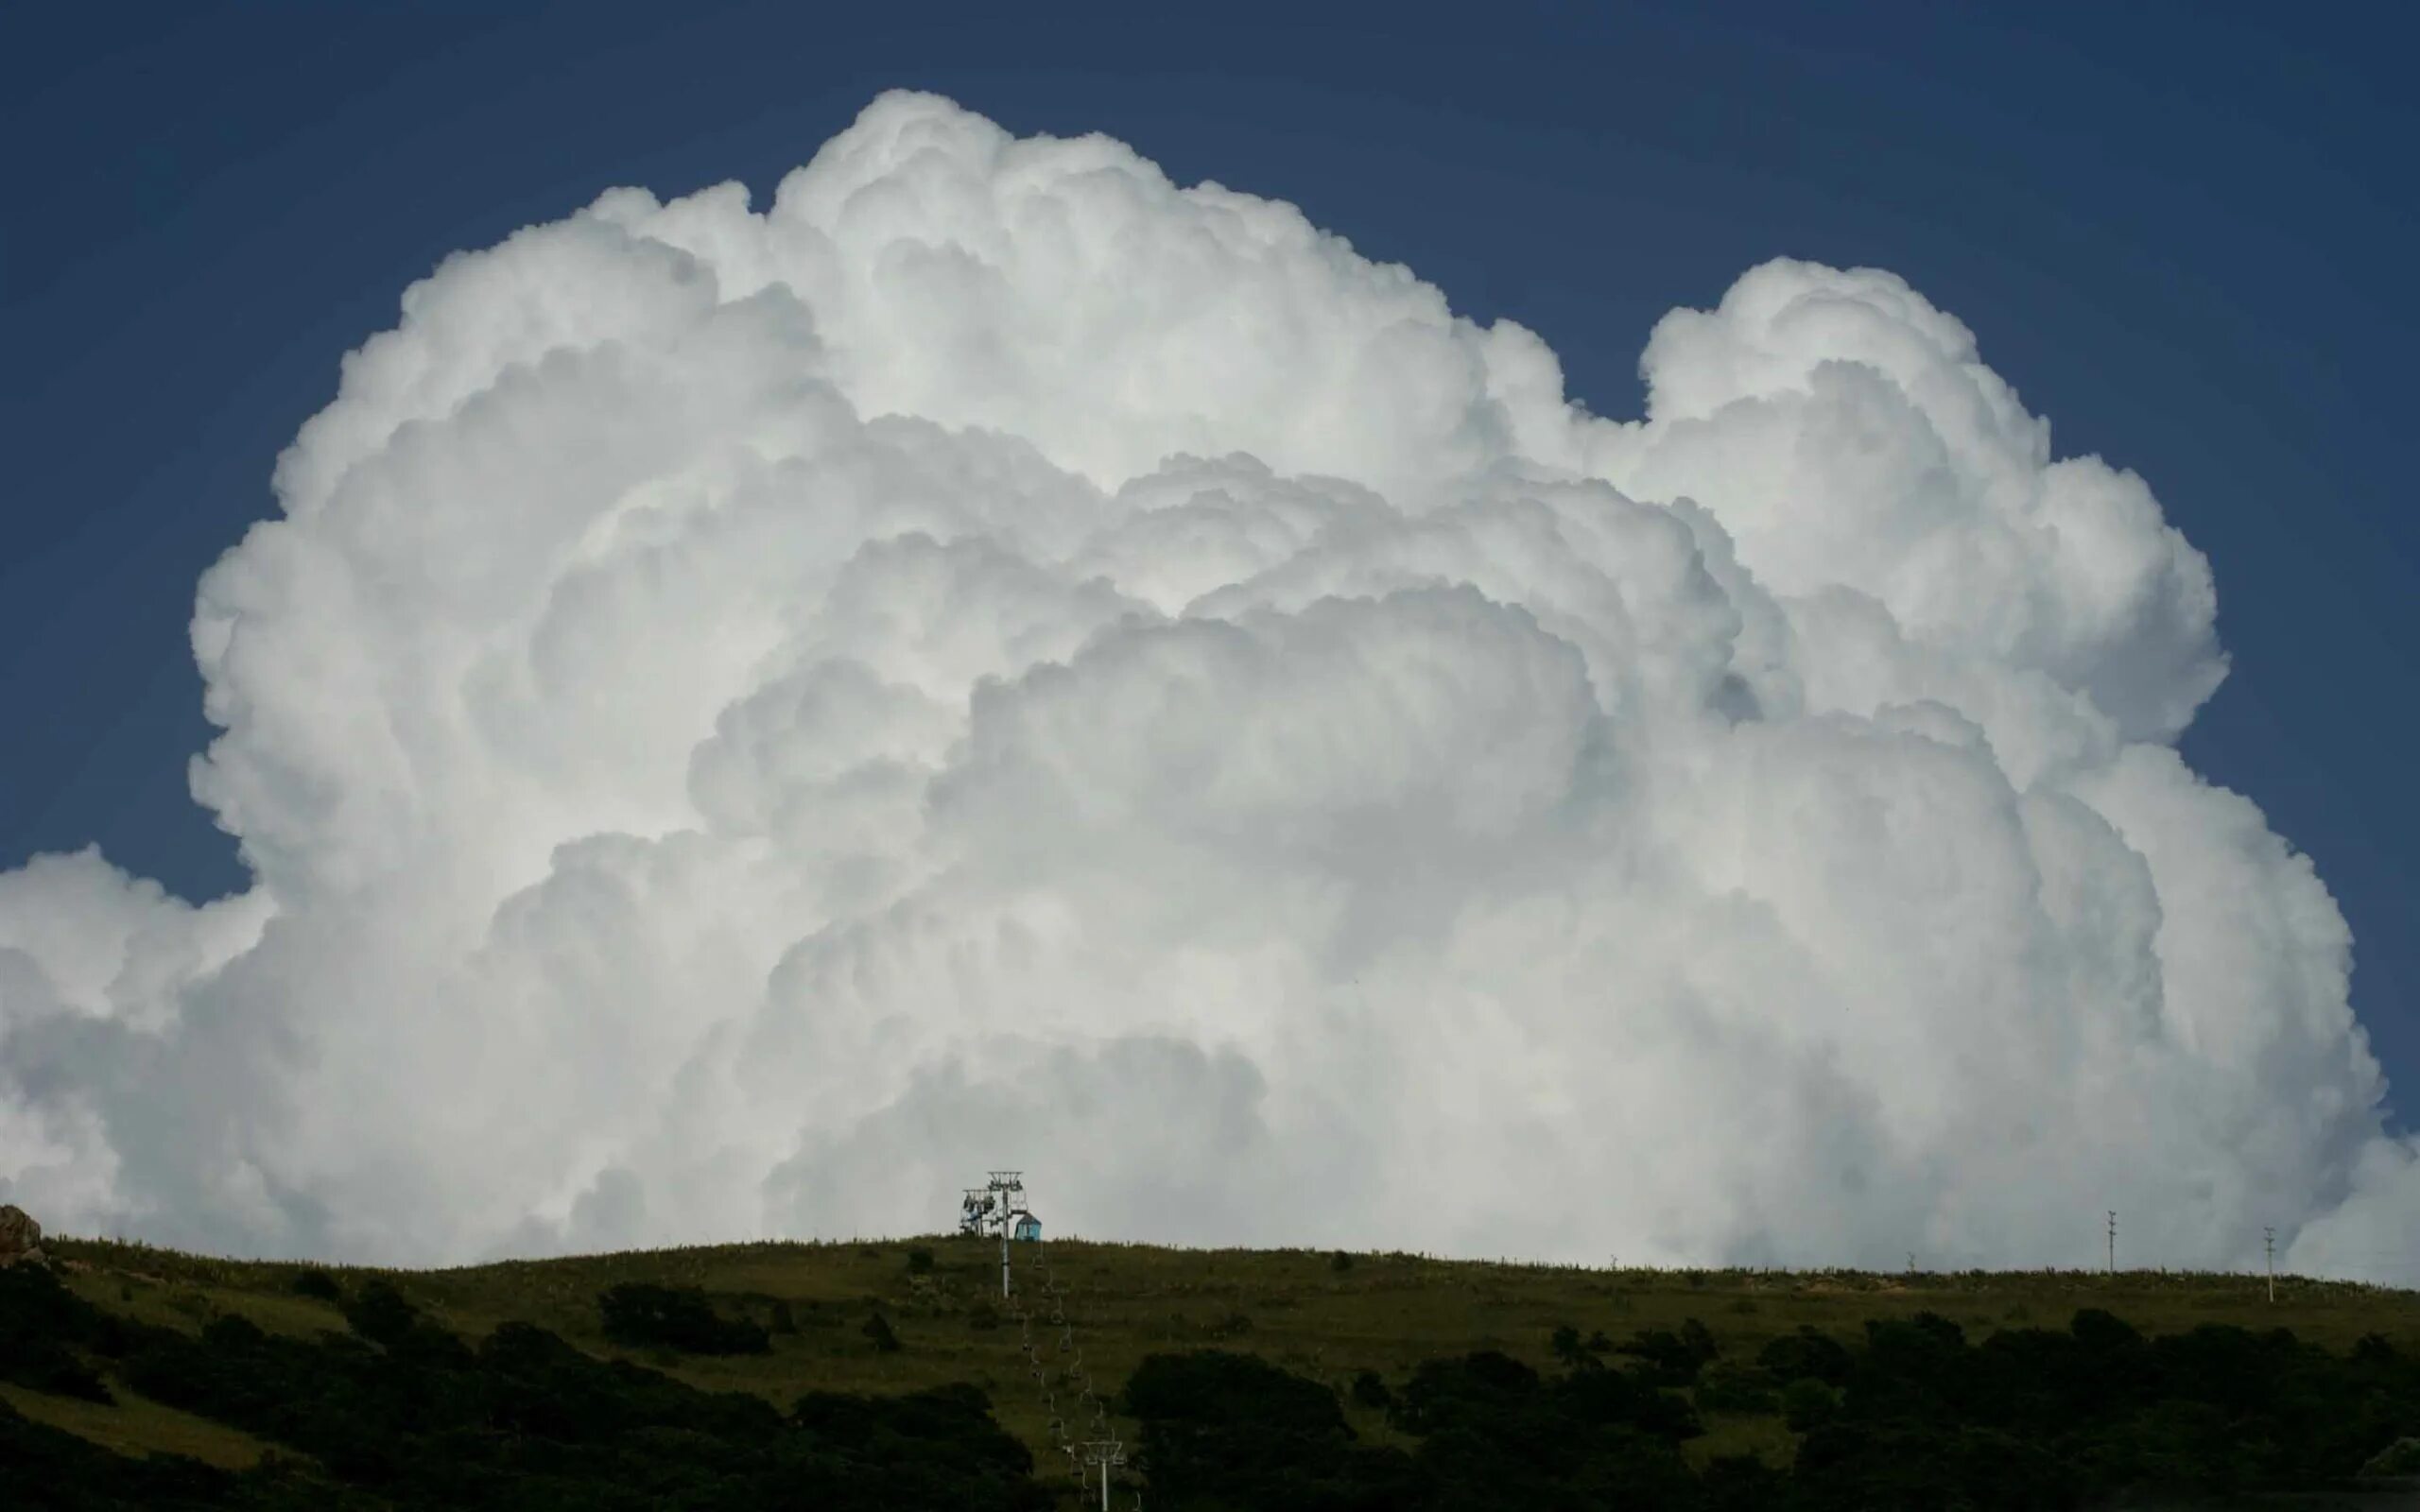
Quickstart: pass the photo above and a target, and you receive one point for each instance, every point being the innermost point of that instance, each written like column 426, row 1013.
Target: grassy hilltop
column 1324, row 1316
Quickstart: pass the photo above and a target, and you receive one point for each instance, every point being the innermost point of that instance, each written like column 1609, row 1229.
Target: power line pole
column 2112, row 1241
column 2268, row 1243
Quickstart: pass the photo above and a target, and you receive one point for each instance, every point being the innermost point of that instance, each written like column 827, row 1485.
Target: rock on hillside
column 20, row 1236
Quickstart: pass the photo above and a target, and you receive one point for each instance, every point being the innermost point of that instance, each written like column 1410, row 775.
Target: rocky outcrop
column 20, row 1236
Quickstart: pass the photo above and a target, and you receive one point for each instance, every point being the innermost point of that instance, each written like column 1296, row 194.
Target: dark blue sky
column 2185, row 235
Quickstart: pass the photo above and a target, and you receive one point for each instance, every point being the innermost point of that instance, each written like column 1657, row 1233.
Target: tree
column 314, row 1282
column 1369, row 1390
column 642, row 1316
column 1575, row 1352
column 1565, row 1344
column 884, row 1342
column 1807, row 1403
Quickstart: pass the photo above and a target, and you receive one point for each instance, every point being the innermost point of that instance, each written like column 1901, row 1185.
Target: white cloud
column 747, row 720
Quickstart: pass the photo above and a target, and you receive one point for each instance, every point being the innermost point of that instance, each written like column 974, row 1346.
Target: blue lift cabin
column 1025, row 1226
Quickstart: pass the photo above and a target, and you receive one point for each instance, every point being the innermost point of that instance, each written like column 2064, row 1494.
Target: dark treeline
column 1911, row 1419
column 395, row 1411
column 400, row 1414
column 641, row 1314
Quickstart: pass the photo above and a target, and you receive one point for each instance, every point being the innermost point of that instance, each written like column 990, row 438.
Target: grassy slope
column 137, row 1426
column 1385, row 1312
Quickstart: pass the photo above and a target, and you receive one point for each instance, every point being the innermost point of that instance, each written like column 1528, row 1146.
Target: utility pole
column 2112, row 1241
column 2268, row 1243
column 1104, row 1453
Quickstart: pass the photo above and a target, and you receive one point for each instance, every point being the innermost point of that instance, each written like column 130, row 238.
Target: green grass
column 135, row 1425
column 1385, row 1312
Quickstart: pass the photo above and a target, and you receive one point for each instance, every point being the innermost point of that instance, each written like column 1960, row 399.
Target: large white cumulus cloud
column 748, row 719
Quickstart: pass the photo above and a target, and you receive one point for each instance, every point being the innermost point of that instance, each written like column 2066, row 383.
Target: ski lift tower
column 1004, row 1197
column 1106, row 1453
column 974, row 1215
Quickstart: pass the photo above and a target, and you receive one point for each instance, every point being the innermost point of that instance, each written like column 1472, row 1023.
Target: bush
column 920, row 1261
column 1369, row 1390
column 1741, row 1483
column 1496, row 1434
column 402, row 1416
column 1224, row 1431
column 1806, row 1352
column 1574, row 1351
column 785, row 1321
column 1442, row 1390
column 1699, row 1340
column 885, row 1341
column 40, row 1320
column 934, row 1450
column 641, row 1316
column 1670, row 1359
column 2402, row 1457
column 1736, row 1389
column 380, row 1314
column 60, row 1374
column 1339, row 1261
column 314, row 1283
column 1808, row 1404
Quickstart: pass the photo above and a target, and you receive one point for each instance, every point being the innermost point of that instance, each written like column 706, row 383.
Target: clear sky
column 2183, row 231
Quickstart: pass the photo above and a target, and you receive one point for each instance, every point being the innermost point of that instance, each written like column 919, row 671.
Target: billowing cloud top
column 747, row 720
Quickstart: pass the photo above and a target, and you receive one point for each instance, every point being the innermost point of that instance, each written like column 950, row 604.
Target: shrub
column 1808, row 1404
column 885, row 1341
column 1215, row 1385
column 1575, row 1352
column 379, row 1314
column 1735, row 1388
column 1369, row 1390
column 1442, row 1392
column 1339, row 1261
column 920, row 1261
column 641, row 1314
column 314, row 1283
column 1699, row 1340
column 933, row 1450
column 1741, row 1483
column 2402, row 1457
column 1806, row 1352
column 40, row 1320
column 60, row 1374
column 1671, row 1359
column 1233, row 1431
